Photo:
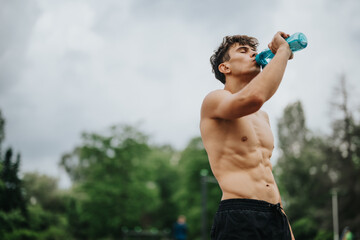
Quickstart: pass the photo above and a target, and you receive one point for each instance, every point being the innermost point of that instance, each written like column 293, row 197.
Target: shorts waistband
column 248, row 204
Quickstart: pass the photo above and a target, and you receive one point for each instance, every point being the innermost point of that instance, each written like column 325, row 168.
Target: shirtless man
column 239, row 142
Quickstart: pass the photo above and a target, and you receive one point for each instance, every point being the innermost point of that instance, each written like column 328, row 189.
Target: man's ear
column 224, row 68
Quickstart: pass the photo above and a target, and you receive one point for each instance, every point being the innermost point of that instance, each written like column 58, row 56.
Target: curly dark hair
column 222, row 53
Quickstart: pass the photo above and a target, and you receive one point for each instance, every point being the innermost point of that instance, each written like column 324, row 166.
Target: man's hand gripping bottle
column 297, row 41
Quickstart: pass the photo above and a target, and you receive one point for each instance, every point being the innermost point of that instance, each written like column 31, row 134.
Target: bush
column 304, row 228
column 324, row 235
column 55, row 233
column 22, row 234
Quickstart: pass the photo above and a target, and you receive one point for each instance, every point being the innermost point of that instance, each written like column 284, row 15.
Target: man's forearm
column 268, row 81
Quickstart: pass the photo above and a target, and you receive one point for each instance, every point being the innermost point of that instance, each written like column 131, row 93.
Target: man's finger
column 284, row 35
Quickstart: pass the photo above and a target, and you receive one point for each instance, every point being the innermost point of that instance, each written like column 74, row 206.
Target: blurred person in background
column 347, row 234
column 180, row 228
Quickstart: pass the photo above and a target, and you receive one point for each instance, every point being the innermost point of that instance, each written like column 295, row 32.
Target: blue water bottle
column 297, row 41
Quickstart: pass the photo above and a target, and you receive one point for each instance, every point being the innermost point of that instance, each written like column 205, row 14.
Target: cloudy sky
column 83, row 65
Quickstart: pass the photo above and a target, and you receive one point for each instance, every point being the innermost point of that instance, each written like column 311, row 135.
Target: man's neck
column 235, row 84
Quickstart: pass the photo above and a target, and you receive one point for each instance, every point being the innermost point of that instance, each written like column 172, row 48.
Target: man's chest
column 254, row 130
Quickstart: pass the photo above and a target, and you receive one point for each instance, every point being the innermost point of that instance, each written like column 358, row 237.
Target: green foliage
column 48, row 224
column 343, row 156
column 120, row 181
column 12, row 205
column 193, row 160
column 11, row 221
column 43, row 190
column 54, row 233
column 13, row 214
column 22, row 234
column 324, row 235
column 18, row 220
column 2, row 131
column 116, row 183
column 311, row 166
column 2, row 135
column 39, row 219
column 292, row 131
column 302, row 175
column 164, row 171
column 304, row 228
column 2, row 184
column 11, row 196
column 37, row 224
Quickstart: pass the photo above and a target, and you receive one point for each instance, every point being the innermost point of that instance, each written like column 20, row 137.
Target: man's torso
column 239, row 152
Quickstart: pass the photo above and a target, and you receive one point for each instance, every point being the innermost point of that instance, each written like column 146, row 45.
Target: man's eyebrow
column 246, row 48
column 243, row 47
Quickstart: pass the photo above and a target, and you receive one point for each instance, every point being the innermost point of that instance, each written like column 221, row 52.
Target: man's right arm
column 269, row 79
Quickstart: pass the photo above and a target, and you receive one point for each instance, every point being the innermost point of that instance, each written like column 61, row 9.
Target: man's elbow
column 253, row 104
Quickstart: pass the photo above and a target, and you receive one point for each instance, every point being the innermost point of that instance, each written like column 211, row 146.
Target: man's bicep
column 225, row 105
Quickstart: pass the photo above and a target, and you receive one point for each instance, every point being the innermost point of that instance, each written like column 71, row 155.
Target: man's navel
column 244, row 138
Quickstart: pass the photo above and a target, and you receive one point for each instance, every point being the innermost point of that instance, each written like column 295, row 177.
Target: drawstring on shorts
column 277, row 207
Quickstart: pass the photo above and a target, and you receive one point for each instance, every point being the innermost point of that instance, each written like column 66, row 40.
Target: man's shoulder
column 216, row 95
column 212, row 100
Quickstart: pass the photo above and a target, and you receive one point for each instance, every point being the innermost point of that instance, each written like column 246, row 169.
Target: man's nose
column 253, row 54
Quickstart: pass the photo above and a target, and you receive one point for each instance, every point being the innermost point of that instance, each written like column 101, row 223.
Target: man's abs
column 239, row 152
column 255, row 183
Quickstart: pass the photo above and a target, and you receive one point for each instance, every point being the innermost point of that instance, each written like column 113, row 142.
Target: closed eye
column 243, row 49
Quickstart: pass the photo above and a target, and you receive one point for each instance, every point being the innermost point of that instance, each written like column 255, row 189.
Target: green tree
column 162, row 162
column 302, row 175
column 192, row 161
column 46, row 206
column 2, row 131
column 11, row 198
column 2, row 136
column 18, row 220
column 343, row 153
column 113, row 186
column 312, row 167
column 43, row 190
column 13, row 212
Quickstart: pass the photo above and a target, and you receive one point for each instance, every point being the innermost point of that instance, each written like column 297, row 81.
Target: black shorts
column 249, row 219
